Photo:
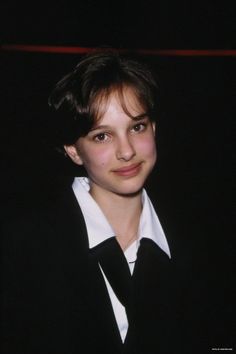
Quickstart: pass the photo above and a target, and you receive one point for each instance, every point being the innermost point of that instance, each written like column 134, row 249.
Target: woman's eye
column 139, row 127
column 100, row 138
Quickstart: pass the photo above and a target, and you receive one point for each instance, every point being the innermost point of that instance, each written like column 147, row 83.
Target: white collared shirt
column 99, row 230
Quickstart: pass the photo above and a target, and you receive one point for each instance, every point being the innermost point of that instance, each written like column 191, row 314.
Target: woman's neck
column 123, row 214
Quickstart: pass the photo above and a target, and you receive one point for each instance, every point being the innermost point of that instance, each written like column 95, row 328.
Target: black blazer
column 54, row 299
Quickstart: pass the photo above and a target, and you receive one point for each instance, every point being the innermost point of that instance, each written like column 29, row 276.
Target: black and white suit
column 54, row 298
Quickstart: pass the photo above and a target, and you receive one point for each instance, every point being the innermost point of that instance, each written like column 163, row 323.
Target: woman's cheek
column 102, row 157
column 147, row 147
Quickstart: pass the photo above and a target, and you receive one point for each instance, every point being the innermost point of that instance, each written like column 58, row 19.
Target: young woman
column 92, row 273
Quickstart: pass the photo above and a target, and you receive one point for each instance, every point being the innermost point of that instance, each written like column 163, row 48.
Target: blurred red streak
column 84, row 50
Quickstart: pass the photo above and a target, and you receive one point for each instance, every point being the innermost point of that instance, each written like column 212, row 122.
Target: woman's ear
column 73, row 153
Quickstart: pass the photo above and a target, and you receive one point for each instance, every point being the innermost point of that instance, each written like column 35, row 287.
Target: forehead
column 123, row 100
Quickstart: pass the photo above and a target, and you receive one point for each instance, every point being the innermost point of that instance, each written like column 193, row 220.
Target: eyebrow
column 140, row 116
column 135, row 118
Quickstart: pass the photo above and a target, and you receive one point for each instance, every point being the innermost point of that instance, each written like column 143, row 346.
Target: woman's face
column 119, row 152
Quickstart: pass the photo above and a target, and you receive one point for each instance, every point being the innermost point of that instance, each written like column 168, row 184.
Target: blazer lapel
column 103, row 318
column 90, row 295
column 152, row 283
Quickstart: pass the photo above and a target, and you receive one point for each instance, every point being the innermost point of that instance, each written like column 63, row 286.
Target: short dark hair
column 76, row 97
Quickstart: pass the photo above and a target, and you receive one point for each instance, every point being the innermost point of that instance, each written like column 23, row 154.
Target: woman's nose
column 125, row 149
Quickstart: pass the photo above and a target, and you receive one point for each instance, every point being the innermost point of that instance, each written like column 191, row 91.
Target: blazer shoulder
column 58, row 221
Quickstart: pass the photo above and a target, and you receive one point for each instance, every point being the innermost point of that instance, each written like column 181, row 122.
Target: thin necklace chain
column 128, row 243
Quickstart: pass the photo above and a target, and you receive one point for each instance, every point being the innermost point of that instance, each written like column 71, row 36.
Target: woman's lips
column 128, row 171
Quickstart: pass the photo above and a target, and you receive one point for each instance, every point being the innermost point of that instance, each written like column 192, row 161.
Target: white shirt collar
column 99, row 228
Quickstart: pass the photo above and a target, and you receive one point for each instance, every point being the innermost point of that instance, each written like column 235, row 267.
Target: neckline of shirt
column 99, row 229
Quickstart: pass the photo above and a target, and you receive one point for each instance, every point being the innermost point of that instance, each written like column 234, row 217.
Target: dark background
column 195, row 132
